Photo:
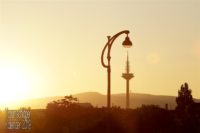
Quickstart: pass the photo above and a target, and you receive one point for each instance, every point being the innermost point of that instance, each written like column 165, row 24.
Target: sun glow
column 13, row 85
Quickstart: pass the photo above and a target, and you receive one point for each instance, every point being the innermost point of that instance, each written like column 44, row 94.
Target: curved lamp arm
column 109, row 45
column 114, row 37
column 102, row 55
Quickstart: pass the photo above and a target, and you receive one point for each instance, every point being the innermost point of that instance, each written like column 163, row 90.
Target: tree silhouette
column 184, row 99
column 66, row 102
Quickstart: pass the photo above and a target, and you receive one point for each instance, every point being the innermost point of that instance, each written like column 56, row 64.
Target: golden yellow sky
column 53, row 47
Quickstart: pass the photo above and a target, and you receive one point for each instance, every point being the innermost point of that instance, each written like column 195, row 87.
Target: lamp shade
column 127, row 43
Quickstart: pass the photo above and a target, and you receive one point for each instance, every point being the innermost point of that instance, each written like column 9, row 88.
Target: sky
column 53, row 47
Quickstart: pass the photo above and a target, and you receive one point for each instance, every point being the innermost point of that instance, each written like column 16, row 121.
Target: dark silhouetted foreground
column 69, row 116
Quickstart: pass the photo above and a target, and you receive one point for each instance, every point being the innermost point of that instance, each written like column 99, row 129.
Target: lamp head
column 127, row 43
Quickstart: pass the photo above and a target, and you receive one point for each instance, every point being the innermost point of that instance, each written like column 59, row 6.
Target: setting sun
column 13, row 84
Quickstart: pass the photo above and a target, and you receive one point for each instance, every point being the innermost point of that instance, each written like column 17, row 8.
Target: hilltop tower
column 127, row 76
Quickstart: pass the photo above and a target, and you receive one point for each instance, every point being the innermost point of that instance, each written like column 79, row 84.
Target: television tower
column 127, row 76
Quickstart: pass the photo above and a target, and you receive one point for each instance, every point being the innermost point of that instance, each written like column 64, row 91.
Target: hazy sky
column 53, row 47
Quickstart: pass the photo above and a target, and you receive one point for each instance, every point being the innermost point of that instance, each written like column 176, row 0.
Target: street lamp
column 126, row 43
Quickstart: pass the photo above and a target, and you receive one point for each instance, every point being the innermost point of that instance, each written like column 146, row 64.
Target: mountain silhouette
column 99, row 100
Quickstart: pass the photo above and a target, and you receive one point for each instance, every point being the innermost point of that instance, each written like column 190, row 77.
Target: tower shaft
column 127, row 76
column 127, row 94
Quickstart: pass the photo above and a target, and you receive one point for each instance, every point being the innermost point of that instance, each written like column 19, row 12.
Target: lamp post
column 126, row 43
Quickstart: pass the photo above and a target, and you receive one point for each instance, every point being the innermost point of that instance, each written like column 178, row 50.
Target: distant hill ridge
column 99, row 100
